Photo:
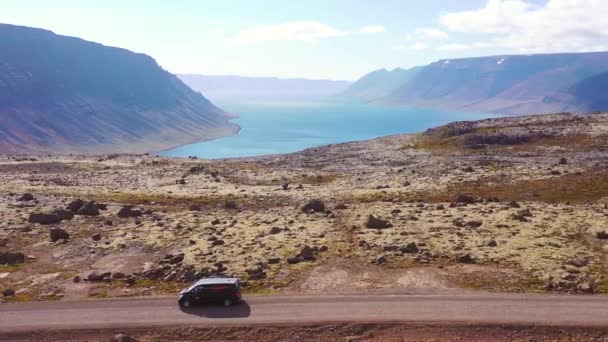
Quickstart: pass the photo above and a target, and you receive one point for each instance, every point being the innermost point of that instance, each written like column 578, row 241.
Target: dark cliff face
column 63, row 93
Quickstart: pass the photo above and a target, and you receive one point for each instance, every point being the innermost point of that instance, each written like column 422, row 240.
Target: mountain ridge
column 504, row 84
column 245, row 87
column 52, row 99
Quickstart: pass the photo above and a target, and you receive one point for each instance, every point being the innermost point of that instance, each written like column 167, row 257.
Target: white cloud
column 430, row 33
column 373, row 29
column 525, row 26
column 417, row 46
column 304, row 31
column 454, row 47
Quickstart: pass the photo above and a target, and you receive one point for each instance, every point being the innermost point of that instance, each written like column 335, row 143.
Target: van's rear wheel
column 186, row 304
column 227, row 302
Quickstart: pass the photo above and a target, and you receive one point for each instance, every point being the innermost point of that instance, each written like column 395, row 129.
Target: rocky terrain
column 510, row 204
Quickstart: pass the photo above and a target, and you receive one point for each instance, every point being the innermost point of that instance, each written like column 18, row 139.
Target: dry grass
column 575, row 188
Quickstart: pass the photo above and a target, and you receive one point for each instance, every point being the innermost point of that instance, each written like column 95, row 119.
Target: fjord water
column 283, row 127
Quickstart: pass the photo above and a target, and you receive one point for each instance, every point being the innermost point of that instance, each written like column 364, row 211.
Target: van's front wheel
column 227, row 302
column 186, row 304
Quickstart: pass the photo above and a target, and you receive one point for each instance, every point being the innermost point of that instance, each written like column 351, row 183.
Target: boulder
column 307, row 253
column 88, row 209
column 75, row 205
column 8, row 293
column 410, row 248
column 465, row 259
column 231, row 205
column 217, row 242
column 464, row 199
column 9, row 258
column 275, row 230
column 474, row 224
column 26, row 197
column 376, row 223
column 128, row 211
column 274, row 260
column 122, row 338
column 513, row 204
column 563, row 161
column 195, row 207
column 603, row 235
column 314, row 206
column 285, row 186
column 43, row 218
column 380, row 259
column 63, row 214
column 578, row 262
column 96, row 277
column 491, row 243
column 57, row 234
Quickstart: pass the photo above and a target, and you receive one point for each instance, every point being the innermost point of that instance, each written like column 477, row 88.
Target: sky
column 320, row 39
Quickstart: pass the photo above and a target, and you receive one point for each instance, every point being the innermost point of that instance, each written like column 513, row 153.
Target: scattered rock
column 43, row 218
column 274, row 260
column 108, row 223
column 563, row 161
column 217, row 242
column 341, row 206
column 76, row 279
column 380, row 259
column 410, row 248
column 578, row 262
column 63, row 214
column 275, row 230
column 97, row 277
column 285, row 186
column 57, row 234
column 9, row 258
column 75, row 205
column 316, row 206
column 474, row 224
column 88, row 209
column 513, row 204
column 491, row 243
column 26, row 197
column 307, row 253
column 128, row 211
column 96, row 237
column 603, row 235
column 8, row 293
column 464, row 199
column 468, row 169
column 232, row 205
column 465, row 259
column 123, row 338
column 376, row 223
column 195, row 207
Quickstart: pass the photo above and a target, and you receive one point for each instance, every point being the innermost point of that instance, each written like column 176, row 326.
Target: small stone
column 8, row 293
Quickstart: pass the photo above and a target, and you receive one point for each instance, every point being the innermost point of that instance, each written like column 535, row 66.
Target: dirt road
column 157, row 312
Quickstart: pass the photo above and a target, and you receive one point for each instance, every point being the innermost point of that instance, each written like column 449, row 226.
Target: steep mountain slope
column 239, row 87
column 591, row 93
column 502, row 84
column 379, row 83
column 64, row 94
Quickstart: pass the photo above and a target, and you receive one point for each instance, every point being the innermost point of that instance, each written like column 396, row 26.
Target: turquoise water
column 282, row 127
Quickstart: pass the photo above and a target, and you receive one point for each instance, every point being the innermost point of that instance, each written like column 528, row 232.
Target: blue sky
column 334, row 39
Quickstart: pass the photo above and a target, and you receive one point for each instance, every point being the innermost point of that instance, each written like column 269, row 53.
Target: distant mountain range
column 64, row 94
column 519, row 84
column 263, row 88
